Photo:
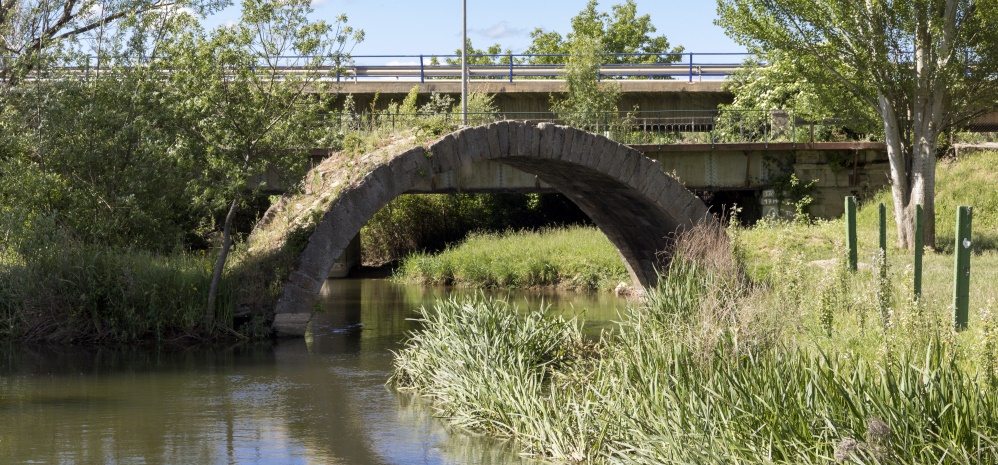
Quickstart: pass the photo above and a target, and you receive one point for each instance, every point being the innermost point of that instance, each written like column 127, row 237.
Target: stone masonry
column 627, row 195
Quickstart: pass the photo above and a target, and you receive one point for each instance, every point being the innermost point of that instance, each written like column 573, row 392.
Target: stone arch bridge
column 627, row 195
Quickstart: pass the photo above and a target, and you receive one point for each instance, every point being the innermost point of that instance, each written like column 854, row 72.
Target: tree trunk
column 223, row 255
column 904, row 220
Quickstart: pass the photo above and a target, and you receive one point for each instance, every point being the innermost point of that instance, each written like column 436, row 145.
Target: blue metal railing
column 507, row 66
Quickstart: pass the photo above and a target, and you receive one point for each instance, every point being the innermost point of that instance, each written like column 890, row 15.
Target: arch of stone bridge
column 627, row 195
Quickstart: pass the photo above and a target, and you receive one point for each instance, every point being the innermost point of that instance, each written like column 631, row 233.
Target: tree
column 30, row 30
column 588, row 103
column 94, row 154
column 249, row 115
column 622, row 31
column 494, row 55
column 922, row 65
column 760, row 90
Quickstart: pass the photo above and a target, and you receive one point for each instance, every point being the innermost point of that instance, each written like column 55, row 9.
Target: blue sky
column 412, row 27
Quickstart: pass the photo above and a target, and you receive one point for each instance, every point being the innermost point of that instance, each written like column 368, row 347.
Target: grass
column 702, row 373
column 74, row 293
column 809, row 251
column 577, row 257
column 760, row 349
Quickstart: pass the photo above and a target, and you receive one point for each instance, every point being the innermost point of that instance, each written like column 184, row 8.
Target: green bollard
column 961, row 288
column 851, row 232
column 883, row 229
column 919, row 250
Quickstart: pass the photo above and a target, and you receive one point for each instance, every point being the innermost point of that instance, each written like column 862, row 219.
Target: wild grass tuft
column 69, row 292
column 707, row 371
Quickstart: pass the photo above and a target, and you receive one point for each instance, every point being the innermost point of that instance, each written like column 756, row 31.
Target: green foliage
column 430, row 222
column 824, row 107
column 588, row 103
column 621, row 31
column 70, row 292
column 493, row 55
column 97, row 158
column 144, row 152
column 486, row 368
column 579, row 258
column 248, row 116
column 922, row 66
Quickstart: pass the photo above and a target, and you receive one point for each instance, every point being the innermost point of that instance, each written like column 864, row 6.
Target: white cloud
column 500, row 30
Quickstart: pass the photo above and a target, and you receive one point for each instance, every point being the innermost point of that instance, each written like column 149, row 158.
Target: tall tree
column 30, row 30
column 923, row 65
column 621, row 31
column 247, row 90
column 588, row 103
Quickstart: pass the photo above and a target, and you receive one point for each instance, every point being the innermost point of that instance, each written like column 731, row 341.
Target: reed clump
column 74, row 293
column 710, row 369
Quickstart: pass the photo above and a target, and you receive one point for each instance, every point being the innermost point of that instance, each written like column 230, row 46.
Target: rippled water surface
column 322, row 400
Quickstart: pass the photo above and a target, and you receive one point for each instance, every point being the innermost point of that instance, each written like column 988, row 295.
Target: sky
column 413, row 27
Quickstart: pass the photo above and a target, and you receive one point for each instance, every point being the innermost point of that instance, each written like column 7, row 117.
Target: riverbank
column 582, row 258
column 577, row 258
column 84, row 294
column 759, row 349
column 713, row 369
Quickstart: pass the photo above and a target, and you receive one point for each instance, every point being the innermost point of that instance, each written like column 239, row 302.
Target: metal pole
column 464, row 64
column 882, row 228
column 961, row 288
column 853, row 254
column 919, row 250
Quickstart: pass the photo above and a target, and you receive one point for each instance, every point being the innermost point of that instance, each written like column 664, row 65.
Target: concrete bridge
column 627, row 195
column 531, row 99
column 734, row 172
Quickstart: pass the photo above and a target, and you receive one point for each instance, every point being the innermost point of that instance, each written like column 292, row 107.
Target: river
column 321, row 400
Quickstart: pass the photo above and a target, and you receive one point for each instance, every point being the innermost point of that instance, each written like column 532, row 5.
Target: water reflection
column 319, row 401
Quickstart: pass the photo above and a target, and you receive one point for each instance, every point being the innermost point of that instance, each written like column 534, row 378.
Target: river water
column 321, row 400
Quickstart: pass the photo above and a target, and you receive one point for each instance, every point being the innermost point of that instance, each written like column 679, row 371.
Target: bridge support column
column 349, row 260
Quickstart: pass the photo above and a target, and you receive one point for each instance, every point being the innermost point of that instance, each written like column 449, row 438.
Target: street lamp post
column 464, row 64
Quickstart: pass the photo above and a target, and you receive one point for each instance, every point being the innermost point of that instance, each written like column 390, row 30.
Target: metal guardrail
column 504, row 67
column 510, row 67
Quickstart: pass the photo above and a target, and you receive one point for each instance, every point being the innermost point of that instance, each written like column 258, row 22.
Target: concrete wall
column 535, row 96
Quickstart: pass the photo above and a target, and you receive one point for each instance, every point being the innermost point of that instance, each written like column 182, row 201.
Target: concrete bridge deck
column 837, row 168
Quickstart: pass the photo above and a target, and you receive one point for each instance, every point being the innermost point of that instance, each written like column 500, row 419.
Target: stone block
column 291, row 324
column 502, row 131
column 473, row 143
column 598, row 152
column 568, row 144
column 300, row 287
column 492, row 137
column 549, row 134
column 533, row 135
column 581, row 147
column 444, row 154
column 629, row 168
